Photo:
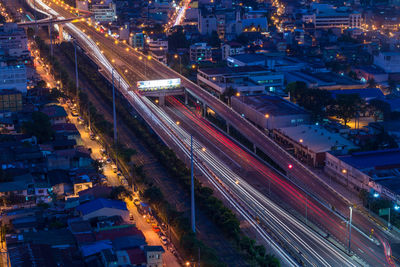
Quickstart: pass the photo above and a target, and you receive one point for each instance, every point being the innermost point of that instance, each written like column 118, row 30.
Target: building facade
column 13, row 41
column 200, row 52
column 13, row 77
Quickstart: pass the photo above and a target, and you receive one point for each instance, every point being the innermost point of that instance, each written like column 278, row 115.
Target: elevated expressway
column 260, row 212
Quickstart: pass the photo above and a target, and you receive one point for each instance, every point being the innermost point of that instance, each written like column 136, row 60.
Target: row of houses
column 94, row 232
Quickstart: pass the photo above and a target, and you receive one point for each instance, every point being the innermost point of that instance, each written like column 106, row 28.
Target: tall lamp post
column 351, row 214
column 267, row 117
column 114, row 113
column 176, row 56
column 192, row 186
column 76, row 73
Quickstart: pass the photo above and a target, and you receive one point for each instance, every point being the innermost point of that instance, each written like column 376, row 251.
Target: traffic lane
column 342, row 232
column 184, row 123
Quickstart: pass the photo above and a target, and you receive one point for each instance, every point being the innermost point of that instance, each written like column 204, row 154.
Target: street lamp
column 267, row 117
column 176, row 56
column 345, row 172
column 145, row 64
column 351, row 214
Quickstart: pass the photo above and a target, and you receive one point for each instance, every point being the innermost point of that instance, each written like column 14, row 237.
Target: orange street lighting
column 148, row 57
column 344, row 171
column 267, row 116
column 177, row 123
column 237, row 94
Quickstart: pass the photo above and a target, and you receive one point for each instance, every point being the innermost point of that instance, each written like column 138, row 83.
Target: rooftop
column 126, row 242
column 228, row 70
column 153, row 249
column 366, row 93
column 118, row 231
column 317, row 138
column 380, row 159
column 101, row 203
column 54, row 111
column 272, row 105
column 137, row 256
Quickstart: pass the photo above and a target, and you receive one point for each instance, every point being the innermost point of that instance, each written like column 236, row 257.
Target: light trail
column 183, row 140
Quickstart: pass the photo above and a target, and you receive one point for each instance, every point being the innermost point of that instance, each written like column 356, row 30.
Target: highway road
column 315, row 250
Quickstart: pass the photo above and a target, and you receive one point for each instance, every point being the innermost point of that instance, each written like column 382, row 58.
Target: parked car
column 136, row 201
column 131, row 216
column 156, row 229
column 108, row 160
column 74, row 113
column 114, row 167
column 164, row 239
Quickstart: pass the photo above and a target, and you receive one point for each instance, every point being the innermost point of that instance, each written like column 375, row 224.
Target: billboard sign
column 154, row 85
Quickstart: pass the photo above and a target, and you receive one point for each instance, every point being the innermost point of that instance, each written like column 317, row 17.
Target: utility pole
column 76, row 73
column 114, row 113
column 351, row 214
column 34, row 10
column 192, row 185
column 51, row 40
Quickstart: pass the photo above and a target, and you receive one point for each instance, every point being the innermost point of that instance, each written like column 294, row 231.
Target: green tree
column 177, row 40
column 214, row 40
column 314, row 100
column 153, row 195
column 120, row 193
column 380, row 108
column 39, row 126
column 346, row 106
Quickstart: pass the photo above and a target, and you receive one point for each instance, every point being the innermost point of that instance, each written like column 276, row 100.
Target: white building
column 378, row 170
column 388, row 61
column 200, row 52
column 13, row 77
column 231, row 49
column 104, row 11
column 207, row 22
column 310, row 143
column 247, row 80
column 13, row 40
column 157, row 44
column 82, row 4
column 270, row 112
column 333, row 19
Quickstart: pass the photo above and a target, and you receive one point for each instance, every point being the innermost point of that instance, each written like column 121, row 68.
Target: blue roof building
column 102, row 207
column 378, row 170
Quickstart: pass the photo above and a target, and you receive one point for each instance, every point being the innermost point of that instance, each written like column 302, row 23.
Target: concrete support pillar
column 228, row 128
column 186, row 98
column 61, row 32
column 254, row 148
column 204, row 110
column 161, row 100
